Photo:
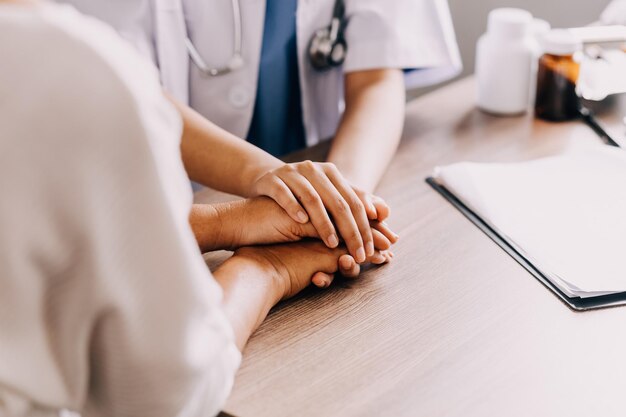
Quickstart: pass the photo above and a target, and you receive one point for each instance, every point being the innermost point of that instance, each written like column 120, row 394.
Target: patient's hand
column 260, row 221
column 256, row 278
column 292, row 267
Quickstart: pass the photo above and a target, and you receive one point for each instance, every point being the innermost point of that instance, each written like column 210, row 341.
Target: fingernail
column 345, row 263
column 303, row 217
column 360, row 255
column 333, row 241
column 370, row 248
column 322, row 283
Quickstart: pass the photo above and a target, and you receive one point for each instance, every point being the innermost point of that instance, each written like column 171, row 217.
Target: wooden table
column 454, row 327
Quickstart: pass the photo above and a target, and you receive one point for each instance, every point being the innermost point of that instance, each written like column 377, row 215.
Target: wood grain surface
column 454, row 326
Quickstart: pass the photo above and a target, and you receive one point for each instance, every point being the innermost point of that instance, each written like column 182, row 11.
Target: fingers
column 366, row 199
column 348, row 267
column 320, row 194
column 381, row 257
column 346, row 209
column 322, row 279
column 275, row 188
column 381, row 242
column 312, row 202
column 382, row 209
column 358, row 208
column 383, row 228
column 376, row 207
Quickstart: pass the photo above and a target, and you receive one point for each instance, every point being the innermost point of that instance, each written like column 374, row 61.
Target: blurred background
column 470, row 20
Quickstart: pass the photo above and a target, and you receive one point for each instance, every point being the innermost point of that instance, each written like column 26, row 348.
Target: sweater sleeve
column 101, row 266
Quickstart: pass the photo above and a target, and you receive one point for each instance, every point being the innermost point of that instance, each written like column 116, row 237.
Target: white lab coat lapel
column 228, row 100
column 321, row 92
column 172, row 57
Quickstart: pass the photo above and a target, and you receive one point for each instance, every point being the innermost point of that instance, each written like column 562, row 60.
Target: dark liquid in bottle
column 556, row 91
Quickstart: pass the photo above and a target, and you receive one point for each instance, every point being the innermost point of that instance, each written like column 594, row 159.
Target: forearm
column 218, row 159
column 224, row 226
column 249, row 222
column 249, row 294
column 208, row 227
column 370, row 130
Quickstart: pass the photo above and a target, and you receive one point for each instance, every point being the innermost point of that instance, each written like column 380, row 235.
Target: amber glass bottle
column 558, row 70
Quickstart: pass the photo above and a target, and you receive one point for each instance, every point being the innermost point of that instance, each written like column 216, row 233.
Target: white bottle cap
column 509, row 22
column 540, row 27
column 560, row 42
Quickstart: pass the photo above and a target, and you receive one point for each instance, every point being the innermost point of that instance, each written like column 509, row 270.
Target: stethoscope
column 327, row 48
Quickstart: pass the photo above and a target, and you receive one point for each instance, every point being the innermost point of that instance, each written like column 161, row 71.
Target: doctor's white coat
column 380, row 34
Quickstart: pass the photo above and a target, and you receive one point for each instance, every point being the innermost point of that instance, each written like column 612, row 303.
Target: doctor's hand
column 318, row 192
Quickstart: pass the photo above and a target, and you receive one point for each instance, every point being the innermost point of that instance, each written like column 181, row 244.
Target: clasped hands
column 293, row 253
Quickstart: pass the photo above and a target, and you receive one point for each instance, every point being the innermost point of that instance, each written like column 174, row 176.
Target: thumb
column 322, row 279
column 278, row 191
column 307, row 230
column 322, row 259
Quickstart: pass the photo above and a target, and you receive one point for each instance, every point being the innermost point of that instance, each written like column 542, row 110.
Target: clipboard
column 575, row 303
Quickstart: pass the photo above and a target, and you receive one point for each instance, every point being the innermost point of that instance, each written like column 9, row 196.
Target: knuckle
column 341, row 206
column 308, row 197
column 330, row 167
column 308, row 166
column 327, row 228
column 354, row 235
column 356, row 204
column 285, row 168
column 286, row 201
column 292, row 204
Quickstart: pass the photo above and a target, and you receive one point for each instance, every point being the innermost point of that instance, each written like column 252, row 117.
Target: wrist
column 254, row 273
column 248, row 295
column 254, row 172
column 233, row 224
column 217, row 226
column 247, row 223
column 206, row 226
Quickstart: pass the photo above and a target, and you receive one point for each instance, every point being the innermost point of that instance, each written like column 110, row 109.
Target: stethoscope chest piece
column 326, row 53
column 328, row 47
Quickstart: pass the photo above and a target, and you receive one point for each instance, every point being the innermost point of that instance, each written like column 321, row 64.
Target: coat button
column 239, row 96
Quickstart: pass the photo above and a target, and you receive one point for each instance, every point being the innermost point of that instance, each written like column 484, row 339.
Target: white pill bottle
column 505, row 58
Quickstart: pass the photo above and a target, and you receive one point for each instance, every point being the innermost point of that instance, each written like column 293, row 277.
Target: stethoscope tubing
column 236, row 60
